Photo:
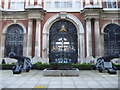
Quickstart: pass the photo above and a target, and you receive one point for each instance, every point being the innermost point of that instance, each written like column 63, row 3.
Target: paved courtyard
column 35, row 79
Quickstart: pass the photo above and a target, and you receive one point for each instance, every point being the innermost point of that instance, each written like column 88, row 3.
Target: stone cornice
column 111, row 14
column 35, row 13
column 14, row 15
column 90, row 13
column 100, row 13
column 28, row 13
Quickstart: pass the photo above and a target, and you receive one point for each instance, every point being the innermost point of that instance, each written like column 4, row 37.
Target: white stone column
column 87, row 2
column 0, row 3
column 38, row 38
column 100, row 2
column 0, row 43
column 95, row 2
column 26, row 5
column 32, row 2
column 88, row 38
column 29, row 38
column 44, row 46
column 81, row 53
column 5, row 4
column 82, row 46
column 39, row 2
column 97, row 38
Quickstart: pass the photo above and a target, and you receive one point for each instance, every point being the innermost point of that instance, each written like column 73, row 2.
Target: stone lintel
column 89, row 13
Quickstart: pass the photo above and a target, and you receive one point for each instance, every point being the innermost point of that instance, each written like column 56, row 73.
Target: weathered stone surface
column 74, row 72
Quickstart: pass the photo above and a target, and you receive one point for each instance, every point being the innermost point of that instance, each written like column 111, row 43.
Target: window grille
column 14, row 40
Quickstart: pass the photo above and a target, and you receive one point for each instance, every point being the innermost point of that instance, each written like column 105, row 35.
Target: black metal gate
column 63, row 42
column 112, row 39
column 14, row 40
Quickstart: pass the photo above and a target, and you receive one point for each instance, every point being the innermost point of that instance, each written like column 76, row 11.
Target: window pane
column 17, row 5
column 110, row 4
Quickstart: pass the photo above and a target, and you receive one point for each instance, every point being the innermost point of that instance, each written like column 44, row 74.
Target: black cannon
column 23, row 63
column 105, row 63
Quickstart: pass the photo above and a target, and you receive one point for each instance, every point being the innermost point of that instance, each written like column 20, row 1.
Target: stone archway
column 63, row 41
column 80, row 33
column 3, row 38
column 14, row 40
column 111, row 39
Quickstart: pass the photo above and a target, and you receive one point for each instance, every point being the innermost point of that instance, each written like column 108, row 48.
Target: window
column 78, row 4
column 112, row 39
column 110, row 4
column 17, row 5
column 63, row 4
column 48, row 4
column 63, row 42
column 14, row 40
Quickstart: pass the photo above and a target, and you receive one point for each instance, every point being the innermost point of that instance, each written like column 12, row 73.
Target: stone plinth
column 73, row 72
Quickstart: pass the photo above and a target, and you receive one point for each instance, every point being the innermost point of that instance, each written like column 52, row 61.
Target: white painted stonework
column 38, row 38
column 29, row 39
column 80, row 30
column 88, row 38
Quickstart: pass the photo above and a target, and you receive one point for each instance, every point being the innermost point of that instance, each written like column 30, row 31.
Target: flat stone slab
column 35, row 79
column 48, row 72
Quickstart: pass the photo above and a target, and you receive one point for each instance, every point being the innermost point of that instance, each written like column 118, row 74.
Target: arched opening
column 111, row 39
column 63, row 45
column 14, row 40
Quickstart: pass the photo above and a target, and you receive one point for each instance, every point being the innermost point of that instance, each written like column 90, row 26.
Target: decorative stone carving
column 63, row 14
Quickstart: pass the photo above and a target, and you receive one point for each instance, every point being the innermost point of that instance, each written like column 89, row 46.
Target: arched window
column 112, row 39
column 14, row 40
column 63, row 42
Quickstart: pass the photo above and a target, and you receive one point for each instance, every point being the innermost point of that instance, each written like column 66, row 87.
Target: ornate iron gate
column 112, row 39
column 63, row 42
column 14, row 40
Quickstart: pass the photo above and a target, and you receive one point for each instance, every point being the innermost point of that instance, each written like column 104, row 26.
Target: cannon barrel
column 110, row 57
column 18, row 57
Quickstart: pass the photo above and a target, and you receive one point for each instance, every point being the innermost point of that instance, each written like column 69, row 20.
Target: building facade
column 56, row 30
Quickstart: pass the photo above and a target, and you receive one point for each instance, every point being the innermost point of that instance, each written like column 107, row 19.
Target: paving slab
column 35, row 79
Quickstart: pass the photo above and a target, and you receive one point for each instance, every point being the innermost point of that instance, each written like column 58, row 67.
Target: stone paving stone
column 87, row 79
column 82, row 86
column 68, row 86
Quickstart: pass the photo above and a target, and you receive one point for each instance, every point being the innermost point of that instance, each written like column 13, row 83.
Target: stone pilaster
column 39, row 2
column 44, row 46
column 87, row 4
column 29, row 38
column 38, row 38
column 88, row 38
column 0, row 40
column 26, row 5
column 32, row 2
column 81, row 46
column 97, row 38
column 0, row 3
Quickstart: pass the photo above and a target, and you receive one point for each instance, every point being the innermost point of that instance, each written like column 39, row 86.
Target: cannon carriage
column 105, row 63
column 23, row 63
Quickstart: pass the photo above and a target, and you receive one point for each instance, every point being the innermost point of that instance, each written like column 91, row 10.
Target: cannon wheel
column 18, row 72
column 13, row 68
column 27, row 70
column 100, row 70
